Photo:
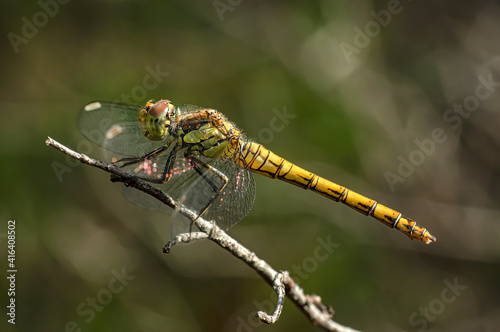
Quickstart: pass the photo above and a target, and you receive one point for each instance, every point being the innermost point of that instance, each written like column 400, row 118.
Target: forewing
column 96, row 118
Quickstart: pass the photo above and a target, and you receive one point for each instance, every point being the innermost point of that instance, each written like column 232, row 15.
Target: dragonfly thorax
column 155, row 119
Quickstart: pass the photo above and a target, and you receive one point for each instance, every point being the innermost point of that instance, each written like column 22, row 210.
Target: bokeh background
column 360, row 91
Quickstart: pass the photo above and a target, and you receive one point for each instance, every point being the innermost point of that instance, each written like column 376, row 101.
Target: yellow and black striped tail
column 262, row 161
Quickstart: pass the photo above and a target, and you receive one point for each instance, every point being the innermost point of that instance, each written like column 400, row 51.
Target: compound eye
column 154, row 119
column 159, row 109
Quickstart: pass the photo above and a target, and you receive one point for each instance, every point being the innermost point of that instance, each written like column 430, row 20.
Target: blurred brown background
column 364, row 81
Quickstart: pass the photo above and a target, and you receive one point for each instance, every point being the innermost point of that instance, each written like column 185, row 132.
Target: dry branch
column 319, row 314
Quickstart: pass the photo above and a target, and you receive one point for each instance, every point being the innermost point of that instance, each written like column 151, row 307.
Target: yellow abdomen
column 262, row 161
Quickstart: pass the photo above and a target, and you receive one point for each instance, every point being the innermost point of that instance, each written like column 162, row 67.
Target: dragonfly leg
column 168, row 167
column 199, row 167
column 165, row 175
column 136, row 160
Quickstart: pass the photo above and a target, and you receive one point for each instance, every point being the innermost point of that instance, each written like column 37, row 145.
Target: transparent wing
column 236, row 199
column 128, row 148
column 96, row 118
column 115, row 128
column 186, row 186
column 227, row 208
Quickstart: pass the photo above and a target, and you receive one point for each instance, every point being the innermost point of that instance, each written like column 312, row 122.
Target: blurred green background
column 363, row 81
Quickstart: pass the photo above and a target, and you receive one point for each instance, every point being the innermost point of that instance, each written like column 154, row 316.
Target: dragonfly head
column 155, row 118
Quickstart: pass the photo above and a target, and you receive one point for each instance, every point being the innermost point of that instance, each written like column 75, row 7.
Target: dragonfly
column 198, row 157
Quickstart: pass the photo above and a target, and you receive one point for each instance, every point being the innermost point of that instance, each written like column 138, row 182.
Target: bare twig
column 311, row 305
column 279, row 288
column 184, row 238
